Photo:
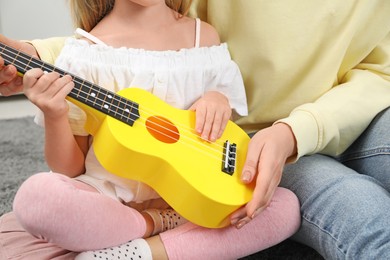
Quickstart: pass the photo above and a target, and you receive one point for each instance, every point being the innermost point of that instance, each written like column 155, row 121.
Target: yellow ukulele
column 138, row 136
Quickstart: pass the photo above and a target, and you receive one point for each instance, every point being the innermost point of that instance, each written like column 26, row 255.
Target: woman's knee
column 346, row 218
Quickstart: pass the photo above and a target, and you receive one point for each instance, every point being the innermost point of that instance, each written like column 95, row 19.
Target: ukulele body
column 162, row 150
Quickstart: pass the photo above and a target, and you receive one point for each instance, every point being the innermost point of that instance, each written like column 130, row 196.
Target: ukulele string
column 211, row 152
column 31, row 60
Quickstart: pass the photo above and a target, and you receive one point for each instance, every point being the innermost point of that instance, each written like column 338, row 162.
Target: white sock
column 135, row 249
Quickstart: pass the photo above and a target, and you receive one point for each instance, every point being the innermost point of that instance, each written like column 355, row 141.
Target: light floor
column 15, row 107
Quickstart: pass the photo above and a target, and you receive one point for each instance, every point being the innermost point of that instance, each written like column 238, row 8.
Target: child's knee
column 288, row 203
column 33, row 198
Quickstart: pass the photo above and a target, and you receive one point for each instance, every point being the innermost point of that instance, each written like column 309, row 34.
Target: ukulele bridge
column 229, row 157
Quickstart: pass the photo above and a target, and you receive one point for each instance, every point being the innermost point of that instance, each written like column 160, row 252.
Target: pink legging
column 276, row 223
column 74, row 216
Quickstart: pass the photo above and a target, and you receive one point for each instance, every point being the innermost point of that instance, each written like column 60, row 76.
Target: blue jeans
column 345, row 201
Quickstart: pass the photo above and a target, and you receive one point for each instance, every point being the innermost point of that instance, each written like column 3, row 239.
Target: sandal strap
column 164, row 220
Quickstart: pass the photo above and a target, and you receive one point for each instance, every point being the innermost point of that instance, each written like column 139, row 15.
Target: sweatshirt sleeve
column 48, row 49
column 331, row 123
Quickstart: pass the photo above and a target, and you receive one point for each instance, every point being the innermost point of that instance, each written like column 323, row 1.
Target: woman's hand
column 10, row 81
column 48, row 91
column 268, row 152
column 212, row 114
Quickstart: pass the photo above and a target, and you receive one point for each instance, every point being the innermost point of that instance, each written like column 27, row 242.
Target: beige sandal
column 164, row 219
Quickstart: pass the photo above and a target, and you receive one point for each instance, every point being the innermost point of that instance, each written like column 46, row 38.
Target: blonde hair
column 87, row 13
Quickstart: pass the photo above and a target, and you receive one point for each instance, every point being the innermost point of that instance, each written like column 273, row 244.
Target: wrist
column 289, row 139
column 55, row 119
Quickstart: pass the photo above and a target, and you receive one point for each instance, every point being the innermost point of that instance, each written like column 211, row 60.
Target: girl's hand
column 268, row 152
column 212, row 114
column 48, row 91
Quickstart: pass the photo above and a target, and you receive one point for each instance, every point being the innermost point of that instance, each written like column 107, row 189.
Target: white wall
column 33, row 19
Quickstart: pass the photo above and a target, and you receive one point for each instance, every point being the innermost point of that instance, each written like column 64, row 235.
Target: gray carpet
column 21, row 155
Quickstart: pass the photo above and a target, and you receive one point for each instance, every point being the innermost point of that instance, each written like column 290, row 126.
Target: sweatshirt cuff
column 306, row 131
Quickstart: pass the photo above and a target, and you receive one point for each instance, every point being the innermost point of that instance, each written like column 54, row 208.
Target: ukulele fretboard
column 84, row 91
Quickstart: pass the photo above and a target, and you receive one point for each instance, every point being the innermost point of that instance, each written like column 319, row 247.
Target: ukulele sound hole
column 162, row 129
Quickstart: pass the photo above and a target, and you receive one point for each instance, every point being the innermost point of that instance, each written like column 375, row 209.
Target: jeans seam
column 363, row 154
column 313, row 223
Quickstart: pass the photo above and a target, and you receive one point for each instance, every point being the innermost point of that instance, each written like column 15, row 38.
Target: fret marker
column 93, row 94
column 127, row 110
column 106, row 106
column 109, row 96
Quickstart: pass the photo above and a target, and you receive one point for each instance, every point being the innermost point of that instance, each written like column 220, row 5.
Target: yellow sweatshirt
column 322, row 67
